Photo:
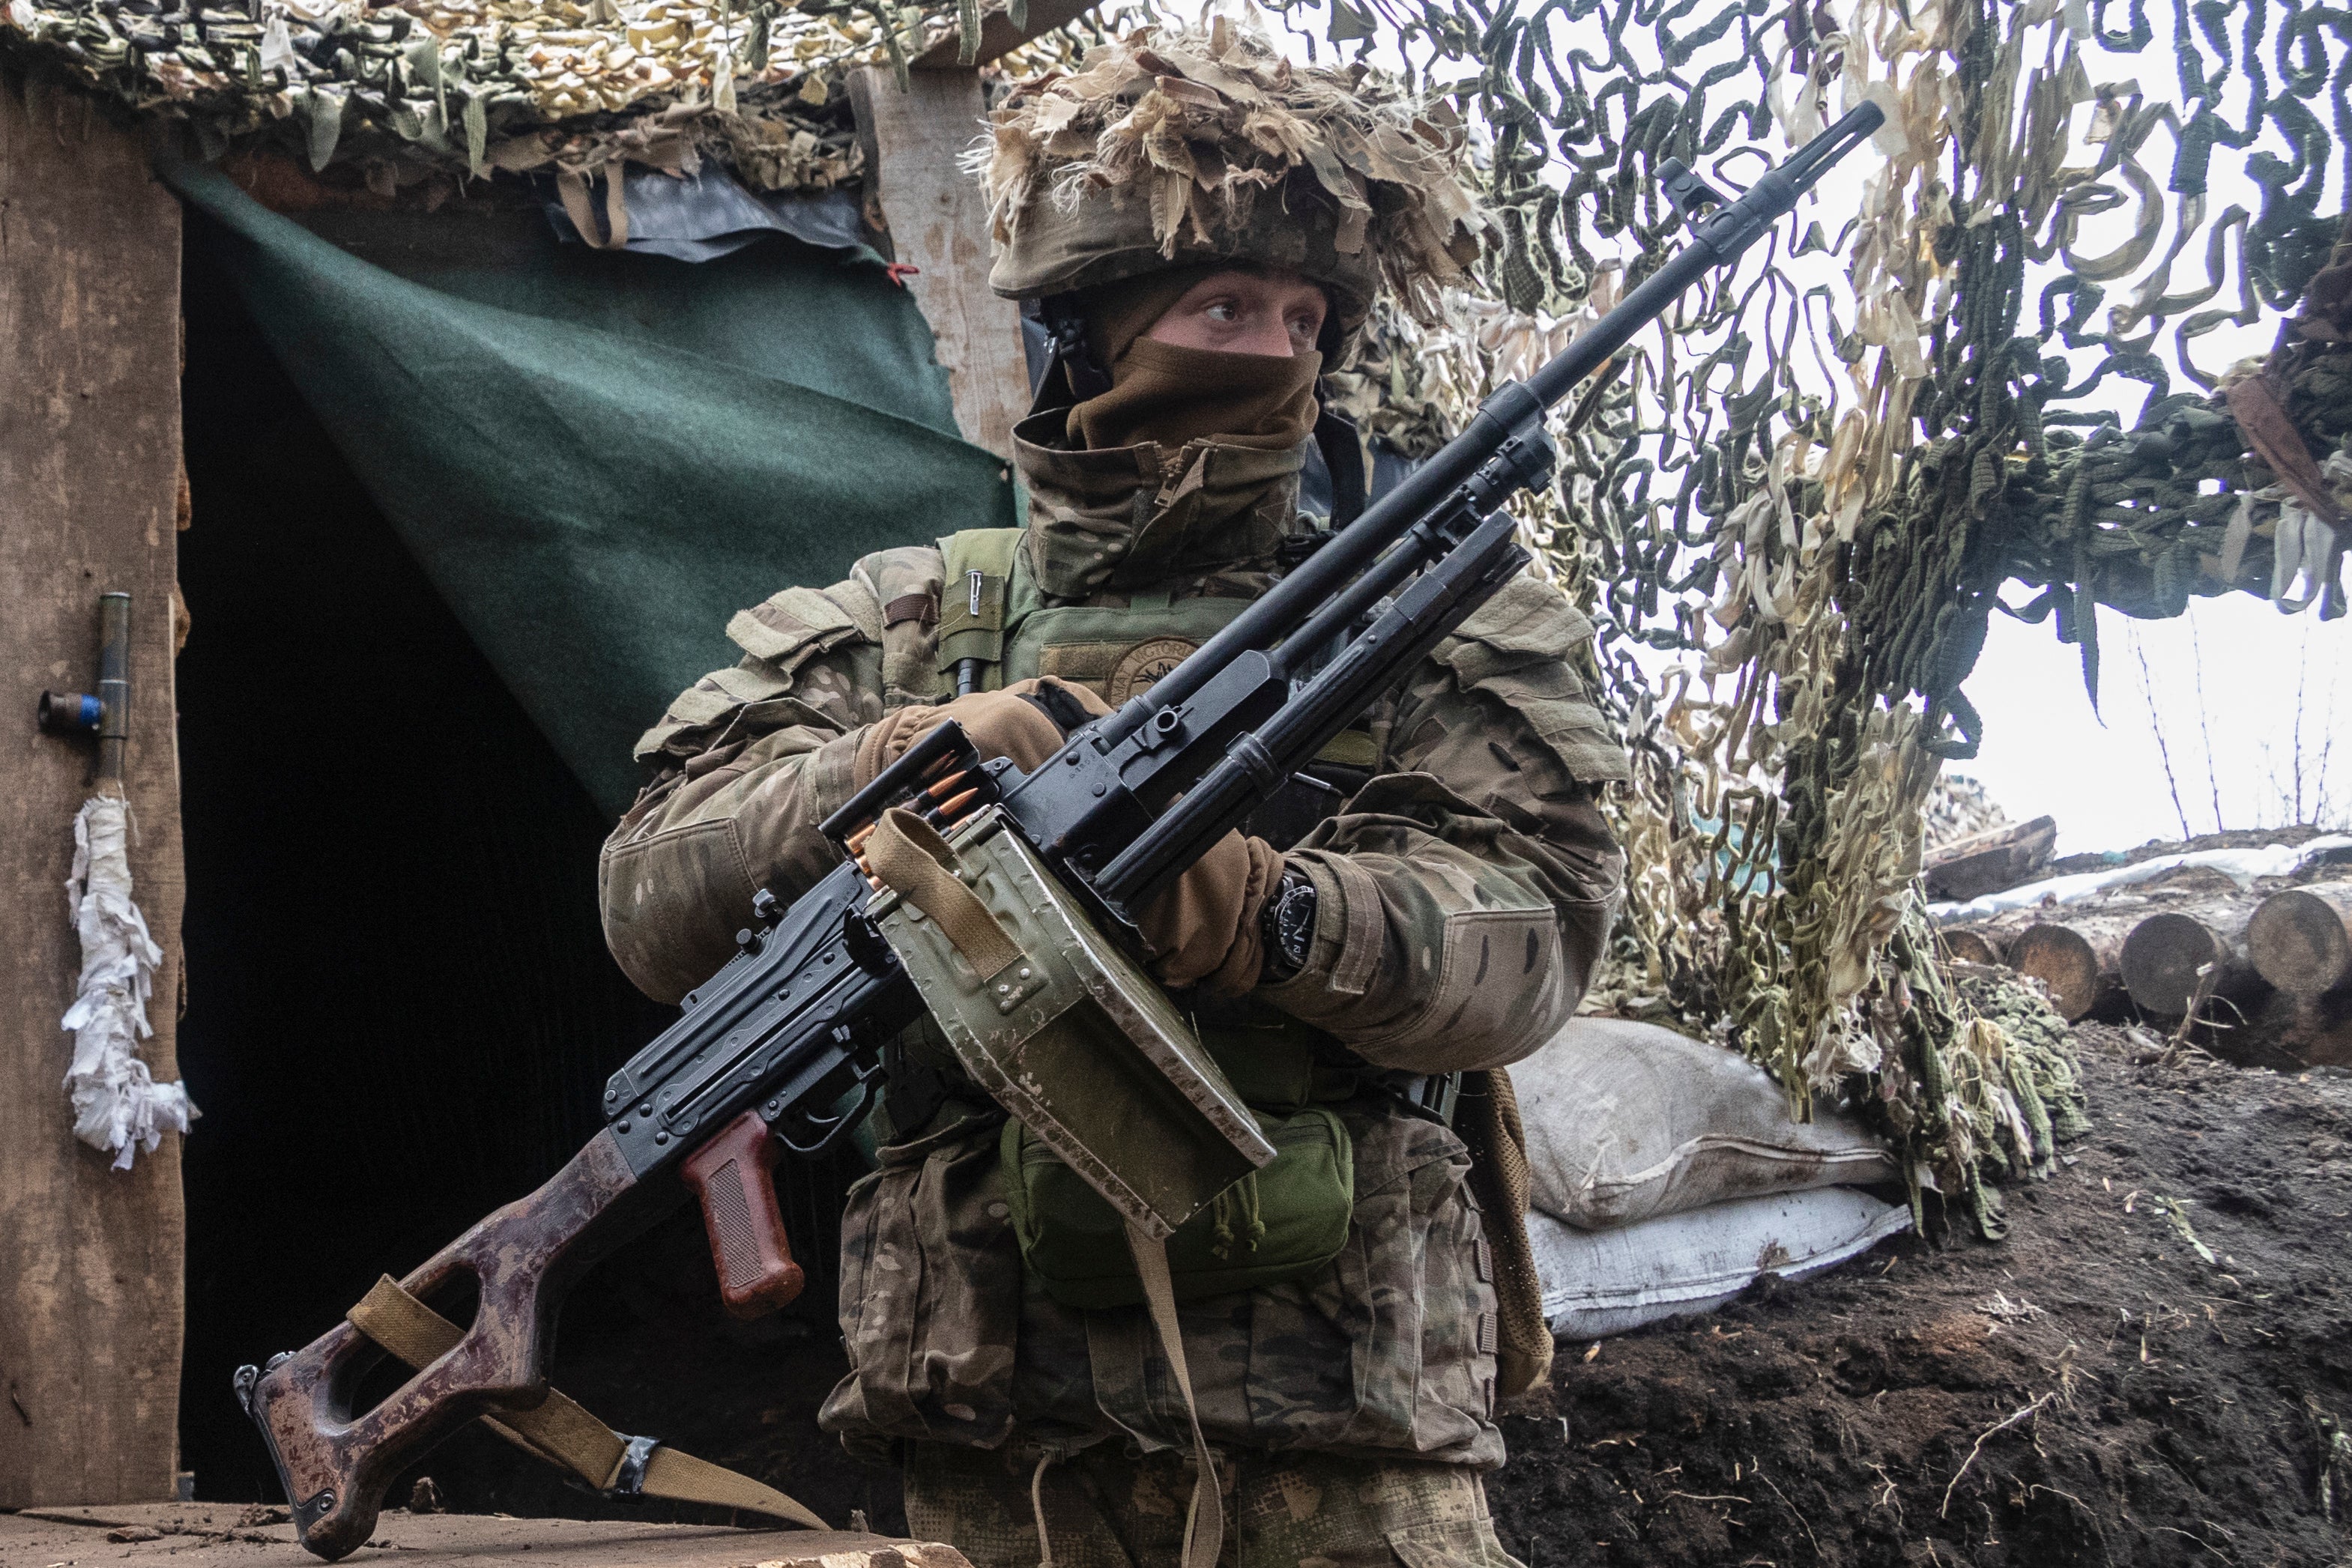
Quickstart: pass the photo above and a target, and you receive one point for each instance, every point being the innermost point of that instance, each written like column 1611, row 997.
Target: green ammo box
column 1064, row 1030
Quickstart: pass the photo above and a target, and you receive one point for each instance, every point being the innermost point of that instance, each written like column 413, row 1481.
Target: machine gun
column 998, row 928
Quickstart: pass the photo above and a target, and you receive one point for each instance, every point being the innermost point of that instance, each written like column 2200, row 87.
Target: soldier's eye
column 1222, row 310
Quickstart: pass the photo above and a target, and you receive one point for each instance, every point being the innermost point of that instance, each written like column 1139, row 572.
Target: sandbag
column 1627, row 1121
column 1598, row 1283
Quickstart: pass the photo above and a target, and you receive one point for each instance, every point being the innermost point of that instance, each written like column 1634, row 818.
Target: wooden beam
column 256, row 1535
column 90, row 1258
column 998, row 36
column 938, row 220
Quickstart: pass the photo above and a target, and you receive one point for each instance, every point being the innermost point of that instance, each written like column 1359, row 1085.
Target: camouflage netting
column 1814, row 484
column 1958, row 807
column 471, row 86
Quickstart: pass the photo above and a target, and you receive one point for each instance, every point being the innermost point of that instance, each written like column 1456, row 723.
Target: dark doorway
column 400, row 1008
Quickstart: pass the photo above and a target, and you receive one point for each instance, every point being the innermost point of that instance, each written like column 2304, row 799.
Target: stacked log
column 2301, row 940
column 2268, row 979
column 2179, row 960
column 1963, row 946
column 2081, row 961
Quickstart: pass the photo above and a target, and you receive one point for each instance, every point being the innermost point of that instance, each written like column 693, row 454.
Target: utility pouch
column 1285, row 1221
column 977, row 583
column 1055, row 1024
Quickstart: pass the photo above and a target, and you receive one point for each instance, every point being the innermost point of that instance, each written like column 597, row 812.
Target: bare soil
column 2092, row 1390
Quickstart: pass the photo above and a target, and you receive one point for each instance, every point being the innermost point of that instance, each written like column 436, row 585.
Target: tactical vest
column 994, row 628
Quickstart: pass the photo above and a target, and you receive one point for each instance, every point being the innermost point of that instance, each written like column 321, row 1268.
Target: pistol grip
column 731, row 1177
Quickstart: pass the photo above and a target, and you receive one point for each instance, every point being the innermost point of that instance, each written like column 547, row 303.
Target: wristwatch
column 1288, row 926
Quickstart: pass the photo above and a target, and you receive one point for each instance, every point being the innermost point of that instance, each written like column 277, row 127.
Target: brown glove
column 1001, row 724
column 1204, row 930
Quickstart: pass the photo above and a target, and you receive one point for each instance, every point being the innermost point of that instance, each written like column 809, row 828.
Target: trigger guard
column 832, row 1130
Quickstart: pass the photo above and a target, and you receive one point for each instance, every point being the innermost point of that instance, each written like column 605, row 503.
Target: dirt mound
column 2095, row 1389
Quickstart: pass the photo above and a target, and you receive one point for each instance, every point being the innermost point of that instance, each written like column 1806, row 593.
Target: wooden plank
column 998, row 36
column 229, row 1536
column 90, row 1258
column 938, row 220
column 1989, row 862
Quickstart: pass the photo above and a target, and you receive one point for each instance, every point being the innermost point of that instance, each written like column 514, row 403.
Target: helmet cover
column 1175, row 146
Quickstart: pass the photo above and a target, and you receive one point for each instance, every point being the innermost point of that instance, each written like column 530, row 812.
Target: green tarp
column 598, row 459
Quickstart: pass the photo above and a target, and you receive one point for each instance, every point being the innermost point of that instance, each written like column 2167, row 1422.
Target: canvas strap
column 561, row 1432
column 1204, row 1526
column 910, row 856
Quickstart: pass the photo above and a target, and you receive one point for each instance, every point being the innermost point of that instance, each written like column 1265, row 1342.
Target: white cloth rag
column 118, row 1105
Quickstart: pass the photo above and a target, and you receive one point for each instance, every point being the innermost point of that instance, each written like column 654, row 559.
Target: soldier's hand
column 1205, row 929
column 1026, row 722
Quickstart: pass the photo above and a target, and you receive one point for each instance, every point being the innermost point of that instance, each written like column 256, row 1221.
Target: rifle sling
column 1204, row 1526
column 560, row 1431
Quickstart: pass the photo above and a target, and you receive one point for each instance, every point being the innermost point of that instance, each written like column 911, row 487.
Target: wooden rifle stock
column 523, row 1261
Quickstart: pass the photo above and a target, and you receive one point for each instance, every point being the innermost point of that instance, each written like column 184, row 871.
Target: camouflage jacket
column 1468, row 831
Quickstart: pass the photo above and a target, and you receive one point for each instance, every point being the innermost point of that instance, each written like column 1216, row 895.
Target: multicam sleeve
column 751, row 758
column 1464, row 894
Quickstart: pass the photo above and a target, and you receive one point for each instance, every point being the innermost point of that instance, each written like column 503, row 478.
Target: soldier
column 1205, row 224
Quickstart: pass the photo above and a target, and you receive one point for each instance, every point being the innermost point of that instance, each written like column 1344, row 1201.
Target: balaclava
column 1173, row 395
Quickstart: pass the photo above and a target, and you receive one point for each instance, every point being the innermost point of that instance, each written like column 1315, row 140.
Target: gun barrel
column 1718, row 241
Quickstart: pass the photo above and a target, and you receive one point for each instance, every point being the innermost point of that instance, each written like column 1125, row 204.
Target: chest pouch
column 1285, row 1221
column 1058, row 1026
column 976, row 566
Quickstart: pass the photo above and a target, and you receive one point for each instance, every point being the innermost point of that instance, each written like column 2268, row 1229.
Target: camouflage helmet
column 1175, row 146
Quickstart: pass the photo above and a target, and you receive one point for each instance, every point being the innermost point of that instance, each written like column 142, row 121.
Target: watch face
column 1295, row 922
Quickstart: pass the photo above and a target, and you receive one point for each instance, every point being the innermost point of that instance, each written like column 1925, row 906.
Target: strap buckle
column 1434, row 1094
column 629, row 1479
column 1296, row 549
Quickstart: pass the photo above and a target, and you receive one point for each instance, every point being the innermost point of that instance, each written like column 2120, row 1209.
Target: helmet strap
column 1343, row 457
column 1072, row 375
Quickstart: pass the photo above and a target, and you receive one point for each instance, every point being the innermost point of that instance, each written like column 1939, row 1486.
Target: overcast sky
column 2238, row 690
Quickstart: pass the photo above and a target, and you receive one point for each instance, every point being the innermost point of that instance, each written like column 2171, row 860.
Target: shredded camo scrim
column 1207, row 129
column 477, row 86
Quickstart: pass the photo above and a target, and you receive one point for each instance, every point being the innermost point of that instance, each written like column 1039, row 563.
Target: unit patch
column 1145, row 664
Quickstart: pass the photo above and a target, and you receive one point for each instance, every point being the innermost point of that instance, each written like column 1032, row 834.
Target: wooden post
column 937, row 221
column 90, row 1258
